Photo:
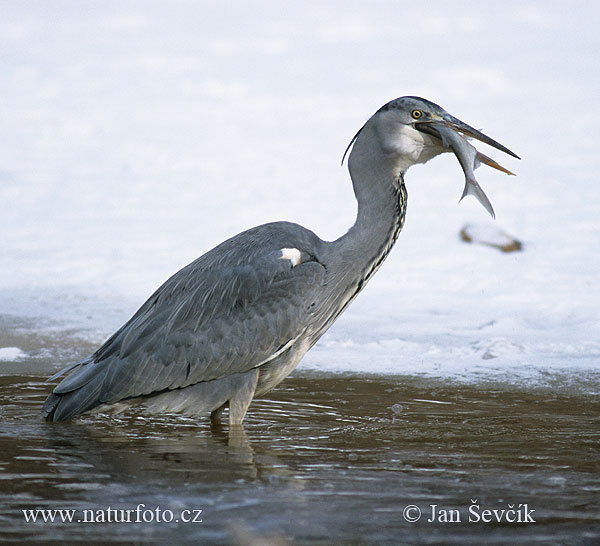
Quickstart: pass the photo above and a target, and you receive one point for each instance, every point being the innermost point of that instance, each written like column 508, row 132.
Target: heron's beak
column 446, row 120
column 467, row 130
column 453, row 135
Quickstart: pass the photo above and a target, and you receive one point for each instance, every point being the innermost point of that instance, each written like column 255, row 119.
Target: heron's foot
column 237, row 438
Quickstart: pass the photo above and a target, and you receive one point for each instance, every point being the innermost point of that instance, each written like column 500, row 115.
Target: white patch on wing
column 291, row 254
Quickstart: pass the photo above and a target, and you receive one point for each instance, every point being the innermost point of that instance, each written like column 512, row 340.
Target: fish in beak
column 454, row 133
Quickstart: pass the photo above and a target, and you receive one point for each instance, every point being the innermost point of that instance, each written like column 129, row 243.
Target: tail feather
column 50, row 406
column 82, row 393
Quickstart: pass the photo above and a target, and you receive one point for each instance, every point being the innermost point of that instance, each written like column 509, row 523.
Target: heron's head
column 406, row 131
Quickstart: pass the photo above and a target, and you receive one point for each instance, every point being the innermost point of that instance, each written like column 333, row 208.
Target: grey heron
column 234, row 323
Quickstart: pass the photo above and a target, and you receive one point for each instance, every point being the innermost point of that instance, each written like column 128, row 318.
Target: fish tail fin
column 473, row 188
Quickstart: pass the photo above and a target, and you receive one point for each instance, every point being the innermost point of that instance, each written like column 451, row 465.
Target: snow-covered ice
column 137, row 135
column 11, row 354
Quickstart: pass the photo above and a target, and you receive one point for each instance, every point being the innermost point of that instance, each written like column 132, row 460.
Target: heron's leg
column 215, row 415
column 239, row 402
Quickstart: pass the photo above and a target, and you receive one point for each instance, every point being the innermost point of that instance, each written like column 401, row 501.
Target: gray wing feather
column 227, row 312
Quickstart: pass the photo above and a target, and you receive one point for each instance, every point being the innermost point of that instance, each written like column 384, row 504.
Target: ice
column 490, row 235
column 11, row 354
column 137, row 135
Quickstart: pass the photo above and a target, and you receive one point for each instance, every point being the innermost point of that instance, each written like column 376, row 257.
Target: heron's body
column 235, row 322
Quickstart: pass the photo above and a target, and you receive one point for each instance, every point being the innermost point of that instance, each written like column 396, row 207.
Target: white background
column 134, row 136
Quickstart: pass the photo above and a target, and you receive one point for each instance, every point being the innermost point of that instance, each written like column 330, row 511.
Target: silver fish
column 469, row 159
column 454, row 133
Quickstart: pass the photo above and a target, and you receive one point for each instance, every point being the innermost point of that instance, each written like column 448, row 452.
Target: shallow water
column 323, row 459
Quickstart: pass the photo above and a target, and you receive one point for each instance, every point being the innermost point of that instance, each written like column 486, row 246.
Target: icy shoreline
column 135, row 138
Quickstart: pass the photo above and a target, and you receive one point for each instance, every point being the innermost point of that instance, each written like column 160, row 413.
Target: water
column 322, row 460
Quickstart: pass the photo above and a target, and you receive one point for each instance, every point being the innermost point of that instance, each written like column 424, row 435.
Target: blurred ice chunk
column 490, row 235
column 10, row 354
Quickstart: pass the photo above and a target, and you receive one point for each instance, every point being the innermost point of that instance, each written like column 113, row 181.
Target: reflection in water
column 328, row 459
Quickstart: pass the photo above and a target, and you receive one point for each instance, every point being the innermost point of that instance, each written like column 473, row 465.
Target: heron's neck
column 381, row 213
column 381, row 195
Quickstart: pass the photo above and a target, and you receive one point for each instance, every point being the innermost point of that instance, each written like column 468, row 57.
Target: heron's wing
column 210, row 320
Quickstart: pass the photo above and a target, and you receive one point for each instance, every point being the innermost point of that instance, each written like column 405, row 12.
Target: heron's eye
column 417, row 114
